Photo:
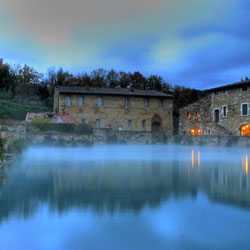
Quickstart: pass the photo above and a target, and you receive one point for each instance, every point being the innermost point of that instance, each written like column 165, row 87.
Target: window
column 143, row 124
column 129, row 124
column 127, row 102
column 97, row 123
column 245, row 130
column 146, row 103
column 188, row 115
column 224, row 92
column 244, row 109
column 224, row 111
column 67, row 101
column 100, row 102
column 216, row 92
column 161, row 104
column 83, row 120
column 80, row 101
column 195, row 131
column 244, row 88
column 197, row 114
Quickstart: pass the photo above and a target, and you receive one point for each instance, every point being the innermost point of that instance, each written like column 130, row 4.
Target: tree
column 124, row 81
column 112, row 79
column 137, row 80
column 98, row 78
column 7, row 78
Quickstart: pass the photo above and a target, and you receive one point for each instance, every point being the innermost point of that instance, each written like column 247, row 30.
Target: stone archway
column 156, row 123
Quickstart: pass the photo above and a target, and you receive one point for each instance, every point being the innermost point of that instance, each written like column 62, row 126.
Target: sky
column 195, row 43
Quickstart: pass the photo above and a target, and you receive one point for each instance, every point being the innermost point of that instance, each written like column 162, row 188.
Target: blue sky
column 196, row 43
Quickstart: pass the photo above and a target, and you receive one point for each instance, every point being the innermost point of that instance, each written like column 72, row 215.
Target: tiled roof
column 231, row 86
column 112, row 91
column 55, row 118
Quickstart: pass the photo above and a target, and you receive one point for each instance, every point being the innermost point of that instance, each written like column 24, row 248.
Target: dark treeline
column 23, row 83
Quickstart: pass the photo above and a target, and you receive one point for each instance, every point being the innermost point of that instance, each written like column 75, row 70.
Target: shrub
column 45, row 125
column 83, row 128
column 17, row 146
column 1, row 150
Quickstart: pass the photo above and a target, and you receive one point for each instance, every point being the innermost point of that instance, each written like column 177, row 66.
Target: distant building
column 116, row 108
column 223, row 111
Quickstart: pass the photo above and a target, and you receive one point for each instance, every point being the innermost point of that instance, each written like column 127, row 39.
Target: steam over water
column 126, row 198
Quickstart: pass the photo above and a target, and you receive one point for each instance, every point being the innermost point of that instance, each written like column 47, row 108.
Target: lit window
column 197, row 115
column 245, row 130
column 127, row 102
column 195, row 131
column 244, row 109
column 188, row 115
column 146, row 103
column 97, row 123
column 67, row 101
column 129, row 124
column 80, row 101
column 224, row 111
column 161, row 104
column 100, row 103
column 143, row 124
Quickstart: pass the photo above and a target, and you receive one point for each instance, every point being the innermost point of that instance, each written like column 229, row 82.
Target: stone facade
column 138, row 110
column 224, row 111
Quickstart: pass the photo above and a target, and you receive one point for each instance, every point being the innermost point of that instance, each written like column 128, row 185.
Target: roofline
column 116, row 94
column 229, row 86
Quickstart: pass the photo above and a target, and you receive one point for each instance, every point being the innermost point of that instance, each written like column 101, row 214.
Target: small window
column 197, row 114
column 244, row 109
column 67, row 101
column 161, row 104
column 97, row 123
column 224, row 111
column 129, row 124
column 127, row 103
column 100, row 102
column 216, row 92
column 146, row 103
column 80, row 101
column 83, row 120
column 244, row 88
column 224, row 92
column 188, row 115
column 143, row 124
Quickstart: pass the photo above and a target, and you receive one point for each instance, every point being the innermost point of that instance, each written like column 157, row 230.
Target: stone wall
column 114, row 114
column 9, row 134
column 109, row 136
column 229, row 123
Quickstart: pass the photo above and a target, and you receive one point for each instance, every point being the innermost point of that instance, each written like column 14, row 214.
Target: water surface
column 126, row 197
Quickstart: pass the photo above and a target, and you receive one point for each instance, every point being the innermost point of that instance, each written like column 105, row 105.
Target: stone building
column 223, row 111
column 116, row 108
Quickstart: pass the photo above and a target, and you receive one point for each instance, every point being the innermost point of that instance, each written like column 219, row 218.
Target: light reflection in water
column 199, row 158
column 192, row 158
column 247, row 164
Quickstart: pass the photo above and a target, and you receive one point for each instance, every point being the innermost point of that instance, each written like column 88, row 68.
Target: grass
column 12, row 110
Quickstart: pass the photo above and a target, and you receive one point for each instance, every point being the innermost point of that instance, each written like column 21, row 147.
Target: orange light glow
column 195, row 131
column 245, row 130
column 197, row 115
column 192, row 158
column 188, row 115
column 199, row 158
column 247, row 164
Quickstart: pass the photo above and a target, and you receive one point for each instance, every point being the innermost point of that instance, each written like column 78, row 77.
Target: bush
column 39, row 125
column 17, row 146
column 83, row 128
column 2, row 151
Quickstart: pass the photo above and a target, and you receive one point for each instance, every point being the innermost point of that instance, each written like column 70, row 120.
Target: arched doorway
column 245, row 130
column 156, row 122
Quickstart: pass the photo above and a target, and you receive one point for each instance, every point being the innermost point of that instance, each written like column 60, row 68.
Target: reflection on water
column 64, row 180
column 122, row 180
